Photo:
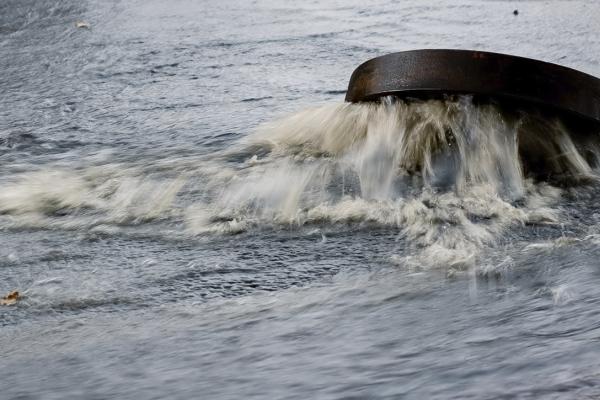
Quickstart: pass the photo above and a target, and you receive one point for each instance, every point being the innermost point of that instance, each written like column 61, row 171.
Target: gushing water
column 450, row 175
column 432, row 250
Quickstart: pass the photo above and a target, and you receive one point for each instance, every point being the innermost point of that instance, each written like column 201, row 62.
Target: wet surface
column 154, row 262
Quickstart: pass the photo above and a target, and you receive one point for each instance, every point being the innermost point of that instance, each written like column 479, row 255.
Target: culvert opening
column 549, row 115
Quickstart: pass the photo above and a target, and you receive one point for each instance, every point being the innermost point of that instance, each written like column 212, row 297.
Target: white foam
column 107, row 194
column 446, row 174
column 449, row 176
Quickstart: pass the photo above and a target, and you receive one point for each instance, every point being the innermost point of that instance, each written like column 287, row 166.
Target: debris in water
column 82, row 24
column 516, row 12
column 10, row 298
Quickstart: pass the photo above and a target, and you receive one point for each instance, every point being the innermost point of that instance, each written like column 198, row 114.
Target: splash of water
column 451, row 176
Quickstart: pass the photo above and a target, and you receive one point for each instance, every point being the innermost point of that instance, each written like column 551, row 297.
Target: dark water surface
column 157, row 263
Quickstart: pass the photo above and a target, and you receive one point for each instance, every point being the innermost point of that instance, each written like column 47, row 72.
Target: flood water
column 189, row 210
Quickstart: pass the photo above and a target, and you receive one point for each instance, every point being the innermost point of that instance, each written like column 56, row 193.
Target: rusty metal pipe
column 509, row 80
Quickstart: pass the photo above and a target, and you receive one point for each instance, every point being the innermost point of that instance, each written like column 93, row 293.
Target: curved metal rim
column 505, row 78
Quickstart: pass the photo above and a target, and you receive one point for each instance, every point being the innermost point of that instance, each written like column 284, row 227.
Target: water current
column 190, row 210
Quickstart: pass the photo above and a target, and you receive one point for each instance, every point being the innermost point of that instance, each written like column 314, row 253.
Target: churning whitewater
column 450, row 175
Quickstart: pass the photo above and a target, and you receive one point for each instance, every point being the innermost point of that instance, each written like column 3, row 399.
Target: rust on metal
column 498, row 77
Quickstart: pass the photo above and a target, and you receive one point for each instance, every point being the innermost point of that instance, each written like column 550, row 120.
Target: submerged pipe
column 512, row 81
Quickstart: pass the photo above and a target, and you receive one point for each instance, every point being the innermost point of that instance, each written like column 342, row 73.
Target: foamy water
column 190, row 210
column 449, row 176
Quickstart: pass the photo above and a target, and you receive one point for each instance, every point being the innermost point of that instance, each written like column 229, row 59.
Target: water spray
column 557, row 109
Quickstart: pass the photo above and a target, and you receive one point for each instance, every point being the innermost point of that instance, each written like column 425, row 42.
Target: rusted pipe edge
column 499, row 77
